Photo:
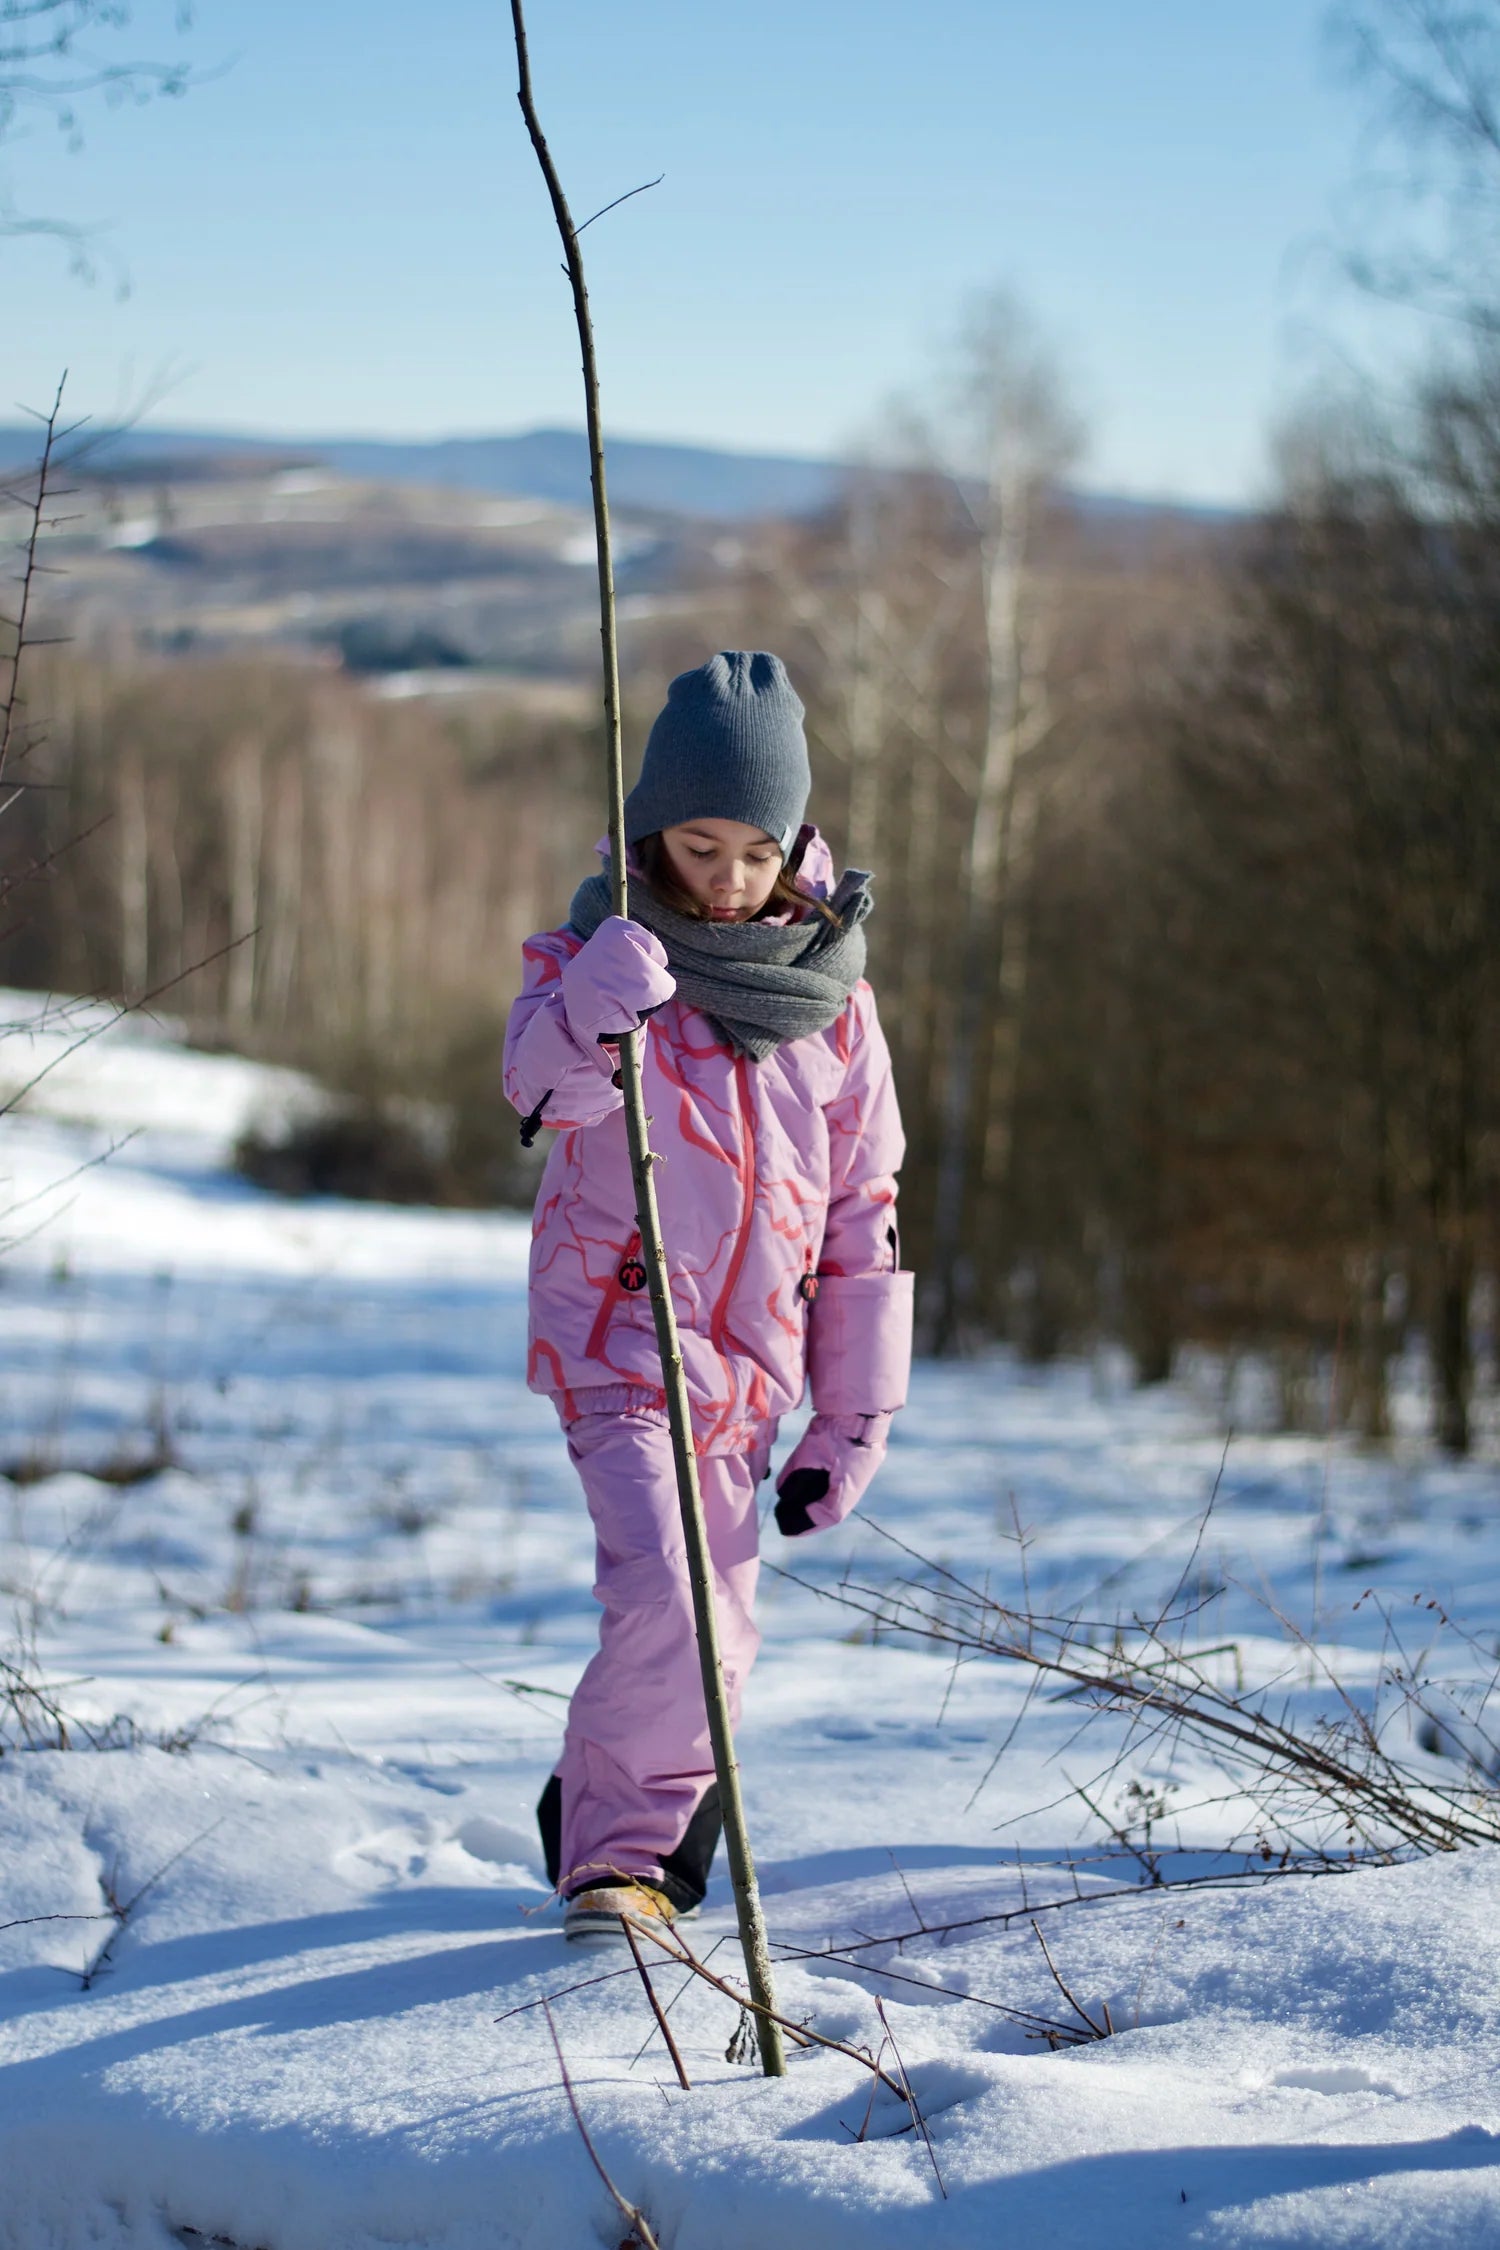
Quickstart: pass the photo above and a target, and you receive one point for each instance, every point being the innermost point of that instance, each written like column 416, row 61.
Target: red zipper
column 614, row 1290
column 747, row 1214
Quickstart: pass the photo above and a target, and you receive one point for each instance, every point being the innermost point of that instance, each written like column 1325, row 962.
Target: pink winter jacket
column 777, row 1196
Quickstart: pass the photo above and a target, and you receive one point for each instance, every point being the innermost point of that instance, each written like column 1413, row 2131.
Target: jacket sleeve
column 859, row 1327
column 546, row 1067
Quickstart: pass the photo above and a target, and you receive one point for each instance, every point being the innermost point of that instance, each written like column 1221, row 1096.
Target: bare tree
column 1007, row 436
column 1335, row 777
column 869, row 601
column 52, row 62
column 922, row 617
column 1431, row 69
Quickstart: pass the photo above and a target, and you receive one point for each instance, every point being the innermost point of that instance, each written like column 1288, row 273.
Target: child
column 768, row 1083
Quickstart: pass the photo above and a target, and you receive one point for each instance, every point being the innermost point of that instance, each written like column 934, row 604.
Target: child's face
column 728, row 868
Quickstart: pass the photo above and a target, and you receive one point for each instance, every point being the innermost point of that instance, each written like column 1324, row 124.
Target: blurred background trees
column 1186, row 825
column 56, row 58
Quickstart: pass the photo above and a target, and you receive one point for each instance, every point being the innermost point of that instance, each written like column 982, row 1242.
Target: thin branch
column 1003, row 1917
column 53, row 1187
column 700, row 1572
column 864, row 2127
column 122, row 1910
column 626, row 2209
column 1340, row 1767
column 1078, row 2009
column 643, row 189
column 123, row 1009
column 911, row 2099
column 677, row 1995
column 801, row 2033
column 29, row 1921
column 662, row 2024
column 1043, row 2027
column 29, row 572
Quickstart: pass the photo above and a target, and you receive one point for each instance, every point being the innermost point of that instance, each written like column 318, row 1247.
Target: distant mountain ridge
column 688, row 480
column 645, row 475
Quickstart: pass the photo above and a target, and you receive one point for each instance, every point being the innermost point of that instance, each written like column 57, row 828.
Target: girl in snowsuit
column 769, row 1086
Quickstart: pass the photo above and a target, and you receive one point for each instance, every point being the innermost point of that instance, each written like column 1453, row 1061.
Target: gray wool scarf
column 761, row 982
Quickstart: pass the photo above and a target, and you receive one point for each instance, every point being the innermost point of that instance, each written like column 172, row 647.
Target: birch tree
column 1007, row 437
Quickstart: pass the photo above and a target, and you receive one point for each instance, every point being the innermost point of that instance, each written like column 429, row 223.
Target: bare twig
column 677, row 1995
column 1035, row 2026
column 662, row 2024
column 803, row 2035
column 29, row 1921
column 627, row 2210
column 1002, row 1917
column 1096, row 2031
column 522, row 1690
column 31, row 570
column 911, row 2100
column 644, row 189
column 1203, row 1523
column 122, row 1909
column 864, row 2127
column 906, row 1887
column 32, row 871
column 1339, row 1774
column 33, row 1709
column 54, row 1187
column 673, row 1945
column 122, row 1009
column 584, row 1984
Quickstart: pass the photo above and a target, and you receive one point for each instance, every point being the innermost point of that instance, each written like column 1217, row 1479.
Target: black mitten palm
column 829, row 1469
column 797, row 1494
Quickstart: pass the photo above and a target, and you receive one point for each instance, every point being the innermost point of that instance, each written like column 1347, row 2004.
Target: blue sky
column 343, row 227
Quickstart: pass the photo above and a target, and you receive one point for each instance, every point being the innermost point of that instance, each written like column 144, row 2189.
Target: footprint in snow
column 1332, row 2078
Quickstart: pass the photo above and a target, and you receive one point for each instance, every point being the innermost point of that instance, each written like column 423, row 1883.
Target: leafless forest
column 1185, row 833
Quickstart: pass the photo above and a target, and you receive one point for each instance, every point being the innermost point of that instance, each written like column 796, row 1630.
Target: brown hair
column 652, row 860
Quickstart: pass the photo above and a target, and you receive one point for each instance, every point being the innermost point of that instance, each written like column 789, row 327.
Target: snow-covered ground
column 308, row 1561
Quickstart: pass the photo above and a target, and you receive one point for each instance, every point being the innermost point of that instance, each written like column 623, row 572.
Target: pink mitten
column 616, row 978
column 829, row 1471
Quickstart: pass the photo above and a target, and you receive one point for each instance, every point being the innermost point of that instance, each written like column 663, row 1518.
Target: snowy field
column 306, row 1560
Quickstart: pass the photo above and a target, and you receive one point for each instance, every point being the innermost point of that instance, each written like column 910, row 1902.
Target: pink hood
column 777, row 1195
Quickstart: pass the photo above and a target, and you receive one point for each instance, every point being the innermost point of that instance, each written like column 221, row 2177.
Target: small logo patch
column 632, row 1277
column 807, row 1288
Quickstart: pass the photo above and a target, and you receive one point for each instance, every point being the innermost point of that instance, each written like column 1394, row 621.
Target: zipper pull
column 532, row 1125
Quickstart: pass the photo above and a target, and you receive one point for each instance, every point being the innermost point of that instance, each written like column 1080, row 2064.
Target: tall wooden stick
column 653, row 1254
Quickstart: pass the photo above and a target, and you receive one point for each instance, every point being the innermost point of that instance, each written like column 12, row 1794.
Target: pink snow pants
column 637, row 1762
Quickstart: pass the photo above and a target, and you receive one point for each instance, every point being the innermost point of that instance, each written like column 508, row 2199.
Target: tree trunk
column 246, row 809
column 135, row 877
column 986, row 881
column 1453, row 1355
column 1370, row 1405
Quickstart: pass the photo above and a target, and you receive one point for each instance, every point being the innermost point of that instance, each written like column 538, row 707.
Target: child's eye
column 697, row 852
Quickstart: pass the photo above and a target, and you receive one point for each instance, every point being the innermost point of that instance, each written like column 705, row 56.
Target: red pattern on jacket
column 771, row 1171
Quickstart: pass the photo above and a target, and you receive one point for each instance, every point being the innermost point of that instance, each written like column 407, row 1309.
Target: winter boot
column 598, row 1915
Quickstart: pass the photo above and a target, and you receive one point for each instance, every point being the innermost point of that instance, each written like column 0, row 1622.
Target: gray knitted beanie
column 727, row 746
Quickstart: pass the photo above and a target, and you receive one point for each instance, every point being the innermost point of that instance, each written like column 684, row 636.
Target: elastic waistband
column 648, row 1403
column 610, row 1398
